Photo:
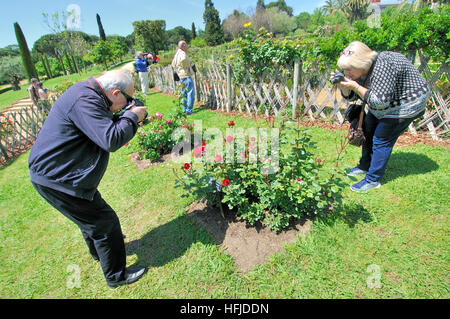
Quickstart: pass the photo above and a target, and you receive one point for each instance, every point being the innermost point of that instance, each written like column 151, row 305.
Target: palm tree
column 356, row 9
column 333, row 6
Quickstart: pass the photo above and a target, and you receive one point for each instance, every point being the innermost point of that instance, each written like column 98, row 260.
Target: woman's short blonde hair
column 357, row 55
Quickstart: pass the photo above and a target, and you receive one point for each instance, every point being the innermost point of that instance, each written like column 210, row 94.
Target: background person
column 183, row 67
column 71, row 154
column 141, row 69
column 32, row 90
column 42, row 92
column 395, row 93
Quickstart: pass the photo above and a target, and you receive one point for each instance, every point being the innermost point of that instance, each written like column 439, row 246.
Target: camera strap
column 93, row 82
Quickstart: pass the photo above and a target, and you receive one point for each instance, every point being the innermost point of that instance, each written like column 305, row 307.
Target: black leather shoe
column 131, row 275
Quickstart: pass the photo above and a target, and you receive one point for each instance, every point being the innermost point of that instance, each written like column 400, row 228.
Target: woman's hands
column 346, row 85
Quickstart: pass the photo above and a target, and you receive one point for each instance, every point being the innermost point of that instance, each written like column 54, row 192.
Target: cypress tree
column 100, row 28
column 260, row 5
column 25, row 53
column 194, row 33
column 213, row 29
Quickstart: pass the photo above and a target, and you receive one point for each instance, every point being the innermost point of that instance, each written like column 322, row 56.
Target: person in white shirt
column 183, row 67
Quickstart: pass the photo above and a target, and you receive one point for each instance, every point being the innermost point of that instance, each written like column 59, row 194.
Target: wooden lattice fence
column 272, row 93
column 20, row 128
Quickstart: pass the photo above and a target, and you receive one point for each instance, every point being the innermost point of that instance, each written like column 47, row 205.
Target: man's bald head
column 182, row 44
column 116, row 79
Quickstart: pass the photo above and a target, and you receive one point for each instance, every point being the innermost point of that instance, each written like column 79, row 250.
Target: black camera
column 337, row 77
column 136, row 102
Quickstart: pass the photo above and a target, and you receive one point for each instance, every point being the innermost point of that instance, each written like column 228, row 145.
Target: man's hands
column 140, row 111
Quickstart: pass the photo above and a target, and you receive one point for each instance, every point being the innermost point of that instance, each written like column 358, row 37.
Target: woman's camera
column 337, row 77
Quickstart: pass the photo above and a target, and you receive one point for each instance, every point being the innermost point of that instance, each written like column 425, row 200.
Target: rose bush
column 154, row 139
column 263, row 191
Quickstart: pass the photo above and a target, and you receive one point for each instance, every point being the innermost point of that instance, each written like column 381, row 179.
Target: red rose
column 231, row 123
column 226, row 182
column 187, row 166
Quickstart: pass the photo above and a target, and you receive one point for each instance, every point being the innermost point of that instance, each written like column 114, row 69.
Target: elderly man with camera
column 70, row 157
column 185, row 70
column 395, row 93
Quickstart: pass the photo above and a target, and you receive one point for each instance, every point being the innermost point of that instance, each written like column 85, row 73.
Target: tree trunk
column 45, row 67
column 48, row 66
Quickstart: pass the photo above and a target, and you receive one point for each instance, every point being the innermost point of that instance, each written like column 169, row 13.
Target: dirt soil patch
column 247, row 245
column 146, row 163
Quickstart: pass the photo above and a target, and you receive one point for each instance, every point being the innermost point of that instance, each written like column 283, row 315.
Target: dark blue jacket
column 72, row 149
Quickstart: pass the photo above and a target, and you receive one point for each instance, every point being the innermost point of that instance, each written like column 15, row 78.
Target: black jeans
column 99, row 226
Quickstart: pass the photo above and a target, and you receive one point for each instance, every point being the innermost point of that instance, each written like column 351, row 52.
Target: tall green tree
column 150, row 35
column 213, row 28
column 260, row 5
column 282, row 6
column 194, row 33
column 102, row 52
column 25, row 53
column 57, row 23
column 101, row 31
column 11, row 71
column 177, row 34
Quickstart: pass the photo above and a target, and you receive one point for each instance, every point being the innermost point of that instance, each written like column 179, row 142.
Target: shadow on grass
column 170, row 241
column 404, row 164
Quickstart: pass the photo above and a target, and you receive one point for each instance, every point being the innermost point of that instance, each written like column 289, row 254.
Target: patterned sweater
column 395, row 87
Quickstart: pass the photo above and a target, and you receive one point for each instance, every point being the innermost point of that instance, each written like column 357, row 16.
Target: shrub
column 61, row 87
column 154, row 139
column 271, row 193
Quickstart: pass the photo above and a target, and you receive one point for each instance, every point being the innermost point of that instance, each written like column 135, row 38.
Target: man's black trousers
column 99, row 225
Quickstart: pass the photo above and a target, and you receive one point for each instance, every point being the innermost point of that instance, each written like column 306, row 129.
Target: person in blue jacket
column 70, row 156
column 142, row 63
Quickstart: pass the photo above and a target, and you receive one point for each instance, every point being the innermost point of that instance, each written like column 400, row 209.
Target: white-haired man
column 183, row 67
column 70, row 156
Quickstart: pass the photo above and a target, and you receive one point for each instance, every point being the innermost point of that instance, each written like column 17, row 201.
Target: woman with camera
column 395, row 94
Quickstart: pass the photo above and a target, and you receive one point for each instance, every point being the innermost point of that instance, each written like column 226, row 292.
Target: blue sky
column 117, row 15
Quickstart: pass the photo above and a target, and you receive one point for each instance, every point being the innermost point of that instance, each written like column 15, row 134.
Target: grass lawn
column 10, row 97
column 402, row 228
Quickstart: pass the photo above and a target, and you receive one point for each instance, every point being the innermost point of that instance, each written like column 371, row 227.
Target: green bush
column 258, row 190
column 154, row 139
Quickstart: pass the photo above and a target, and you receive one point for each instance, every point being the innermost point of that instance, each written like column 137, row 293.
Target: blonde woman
column 395, row 93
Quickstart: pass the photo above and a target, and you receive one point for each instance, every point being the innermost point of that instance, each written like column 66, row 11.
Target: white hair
column 116, row 79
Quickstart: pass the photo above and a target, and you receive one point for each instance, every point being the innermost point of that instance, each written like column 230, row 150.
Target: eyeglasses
column 129, row 98
column 347, row 52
